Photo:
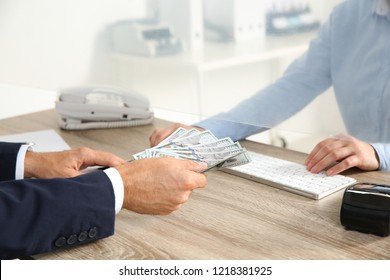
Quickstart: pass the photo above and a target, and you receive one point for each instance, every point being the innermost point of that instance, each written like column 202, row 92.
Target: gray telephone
column 89, row 107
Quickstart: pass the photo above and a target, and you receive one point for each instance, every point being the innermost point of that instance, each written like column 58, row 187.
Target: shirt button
column 82, row 236
column 93, row 232
column 72, row 239
column 60, row 241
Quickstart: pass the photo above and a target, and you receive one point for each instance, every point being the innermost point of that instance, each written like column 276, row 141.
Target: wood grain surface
column 232, row 218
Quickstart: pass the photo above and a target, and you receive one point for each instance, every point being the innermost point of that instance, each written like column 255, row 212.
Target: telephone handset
column 88, row 107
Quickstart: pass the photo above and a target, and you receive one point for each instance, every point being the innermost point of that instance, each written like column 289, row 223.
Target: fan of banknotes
column 199, row 146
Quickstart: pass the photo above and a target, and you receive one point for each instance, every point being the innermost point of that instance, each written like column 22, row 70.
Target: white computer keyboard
column 289, row 176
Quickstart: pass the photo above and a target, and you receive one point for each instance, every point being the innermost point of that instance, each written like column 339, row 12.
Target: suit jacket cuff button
column 82, row 236
column 93, row 232
column 72, row 239
column 61, row 241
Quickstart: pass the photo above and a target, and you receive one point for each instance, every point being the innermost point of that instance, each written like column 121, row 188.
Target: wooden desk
column 232, row 218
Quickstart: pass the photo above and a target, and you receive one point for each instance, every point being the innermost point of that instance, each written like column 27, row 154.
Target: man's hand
column 347, row 151
column 67, row 163
column 160, row 134
column 159, row 186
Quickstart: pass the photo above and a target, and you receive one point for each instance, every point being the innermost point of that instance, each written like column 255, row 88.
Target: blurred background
column 190, row 58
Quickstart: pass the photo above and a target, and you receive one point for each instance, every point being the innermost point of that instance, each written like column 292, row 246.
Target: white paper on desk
column 44, row 140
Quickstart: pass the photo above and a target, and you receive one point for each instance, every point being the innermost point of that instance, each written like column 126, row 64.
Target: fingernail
column 201, row 166
column 329, row 173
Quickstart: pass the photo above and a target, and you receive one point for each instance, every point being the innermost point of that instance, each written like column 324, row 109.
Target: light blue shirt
column 350, row 53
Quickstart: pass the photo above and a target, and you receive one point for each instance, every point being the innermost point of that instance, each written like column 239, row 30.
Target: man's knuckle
column 83, row 151
column 187, row 184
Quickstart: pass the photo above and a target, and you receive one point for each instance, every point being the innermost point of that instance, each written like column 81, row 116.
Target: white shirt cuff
column 117, row 184
column 19, row 169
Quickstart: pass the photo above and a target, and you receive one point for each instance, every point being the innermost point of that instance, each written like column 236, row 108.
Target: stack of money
column 199, row 146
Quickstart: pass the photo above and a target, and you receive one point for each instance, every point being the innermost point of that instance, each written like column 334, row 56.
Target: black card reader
column 366, row 208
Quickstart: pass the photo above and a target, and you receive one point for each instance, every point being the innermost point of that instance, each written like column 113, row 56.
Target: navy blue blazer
column 40, row 215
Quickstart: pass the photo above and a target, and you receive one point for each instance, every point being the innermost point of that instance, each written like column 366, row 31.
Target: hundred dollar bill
column 217, row 163
column 240, row 159
column 203, row 153
column 198, row 138
column 188, row 133
column 198, row 146
column 176, row 134
column 139, row 155
column 216, row 146
column 211, row 160
column 210, row 145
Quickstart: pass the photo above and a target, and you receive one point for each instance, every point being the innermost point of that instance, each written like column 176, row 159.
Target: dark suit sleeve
column 40, row 215
column 8, row 155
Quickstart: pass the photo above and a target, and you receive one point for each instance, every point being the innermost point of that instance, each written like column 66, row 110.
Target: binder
column 186, row 19
column 237, row 20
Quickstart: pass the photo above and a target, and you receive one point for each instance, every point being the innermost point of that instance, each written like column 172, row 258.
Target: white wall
column 47, row 44
column 54, row 43
column 19, row 100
